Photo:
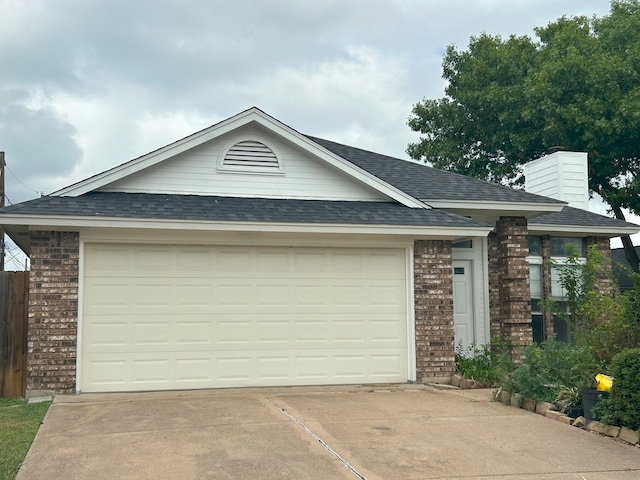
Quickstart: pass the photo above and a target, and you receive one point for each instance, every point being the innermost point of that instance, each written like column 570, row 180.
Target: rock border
column 549, row 410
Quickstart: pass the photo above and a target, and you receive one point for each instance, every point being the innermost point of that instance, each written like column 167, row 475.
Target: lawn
column 19, row 423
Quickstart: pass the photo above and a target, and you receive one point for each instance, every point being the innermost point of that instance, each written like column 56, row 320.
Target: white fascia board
column 582, row 230
column 62, row 223
column 237, row 121
column 543, row 208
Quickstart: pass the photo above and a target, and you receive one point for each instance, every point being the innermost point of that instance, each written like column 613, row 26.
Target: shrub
column 550, row 367
column 488, row 365
column 623, row 406
column 607, row 321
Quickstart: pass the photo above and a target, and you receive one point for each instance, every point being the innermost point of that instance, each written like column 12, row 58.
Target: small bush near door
column 488, row 365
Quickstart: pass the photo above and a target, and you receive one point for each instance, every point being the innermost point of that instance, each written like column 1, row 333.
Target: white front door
column 463, row 304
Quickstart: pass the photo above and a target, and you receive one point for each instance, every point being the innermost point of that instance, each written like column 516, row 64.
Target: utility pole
column 2, row 243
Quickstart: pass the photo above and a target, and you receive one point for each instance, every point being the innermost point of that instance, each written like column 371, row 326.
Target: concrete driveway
column 393, row 432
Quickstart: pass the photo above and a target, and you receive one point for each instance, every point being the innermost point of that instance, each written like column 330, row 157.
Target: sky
column 86, row 85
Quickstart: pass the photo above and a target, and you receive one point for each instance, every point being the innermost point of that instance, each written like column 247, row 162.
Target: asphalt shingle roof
column 428, row 183
column 235, row 209
column 581, row 218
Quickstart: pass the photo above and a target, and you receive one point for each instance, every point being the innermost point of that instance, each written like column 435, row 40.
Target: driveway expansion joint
column 317, row 438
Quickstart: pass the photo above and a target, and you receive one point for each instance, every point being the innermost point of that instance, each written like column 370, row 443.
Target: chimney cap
column 556, row 149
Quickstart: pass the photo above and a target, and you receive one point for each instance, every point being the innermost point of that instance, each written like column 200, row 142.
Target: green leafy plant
column 568, row 399
column 548, row 368
column 623, row 406
column 603, row 320
column 488, row 364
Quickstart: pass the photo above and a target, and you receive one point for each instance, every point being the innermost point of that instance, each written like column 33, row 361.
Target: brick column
column 546, row 285
column 604, row 282
column 53, row 312
column 433, row 303
column 510, row 294
column 495, row 324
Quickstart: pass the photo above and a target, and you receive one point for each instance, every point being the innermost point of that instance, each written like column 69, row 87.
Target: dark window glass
column 537, row 326
column 563, row 246
column 535, row 245
column 463, row 244
column 561, row 330
column 536, row 307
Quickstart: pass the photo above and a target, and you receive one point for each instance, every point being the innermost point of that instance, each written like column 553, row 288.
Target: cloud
column 38, row 143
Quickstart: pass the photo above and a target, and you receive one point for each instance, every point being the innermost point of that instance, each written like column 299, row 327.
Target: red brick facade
column 509, row 283
column 53, row 302
column 53, row 312
column 433, row 303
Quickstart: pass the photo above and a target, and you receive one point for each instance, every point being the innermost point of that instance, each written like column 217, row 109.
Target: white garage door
column 181, row 317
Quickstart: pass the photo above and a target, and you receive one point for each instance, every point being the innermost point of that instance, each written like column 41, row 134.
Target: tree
column 508, row 101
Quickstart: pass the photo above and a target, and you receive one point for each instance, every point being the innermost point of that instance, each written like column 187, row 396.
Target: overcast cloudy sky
column 88, row 84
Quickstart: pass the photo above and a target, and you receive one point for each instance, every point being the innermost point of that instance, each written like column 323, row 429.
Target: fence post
column 13, row 333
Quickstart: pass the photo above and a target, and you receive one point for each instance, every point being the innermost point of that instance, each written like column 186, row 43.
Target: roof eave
column 582, row 229
column 66, row 223
column 530, row 210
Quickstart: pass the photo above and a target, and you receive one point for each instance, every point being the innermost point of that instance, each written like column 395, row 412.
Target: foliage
column 509, row 100
column 568, row 399
column 623, row 406
column 550, row 367
column 488, row 365
column 604, row 321
column 19, row 423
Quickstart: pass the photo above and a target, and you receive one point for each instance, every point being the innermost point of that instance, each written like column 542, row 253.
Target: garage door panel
column 241, row 316
column 139, row 333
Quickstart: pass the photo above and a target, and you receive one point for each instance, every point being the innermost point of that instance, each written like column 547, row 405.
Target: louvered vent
column 252, row 155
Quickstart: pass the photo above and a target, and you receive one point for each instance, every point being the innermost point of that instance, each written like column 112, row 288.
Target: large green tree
column 575, row 85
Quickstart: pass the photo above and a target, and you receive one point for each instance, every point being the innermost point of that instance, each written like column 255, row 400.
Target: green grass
column 19, row 423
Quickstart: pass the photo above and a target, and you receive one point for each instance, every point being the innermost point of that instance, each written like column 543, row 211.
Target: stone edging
column 549, row 410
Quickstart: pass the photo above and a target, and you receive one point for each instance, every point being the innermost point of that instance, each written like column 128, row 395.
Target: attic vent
column 252, row 156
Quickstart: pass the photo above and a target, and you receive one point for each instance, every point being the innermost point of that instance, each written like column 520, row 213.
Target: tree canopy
column 575, row 85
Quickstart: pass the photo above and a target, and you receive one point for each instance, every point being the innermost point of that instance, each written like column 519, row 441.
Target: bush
column 550, row 367
column 623, row 406
column 488, row 365
column 606, row 321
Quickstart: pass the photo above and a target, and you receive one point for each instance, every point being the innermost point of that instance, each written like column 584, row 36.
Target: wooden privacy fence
column 14, row 291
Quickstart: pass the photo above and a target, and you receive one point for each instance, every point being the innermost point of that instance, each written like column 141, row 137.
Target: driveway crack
column 318, row 439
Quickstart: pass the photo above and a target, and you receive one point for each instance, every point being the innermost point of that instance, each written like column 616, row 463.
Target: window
column 535, row 245
column 535, row 287
column 250, row 156
column 535, row 280
column 564, row 246
column 463, row 244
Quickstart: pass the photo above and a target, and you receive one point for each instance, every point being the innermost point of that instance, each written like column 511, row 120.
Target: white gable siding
column 197, row 172
column 561, row 175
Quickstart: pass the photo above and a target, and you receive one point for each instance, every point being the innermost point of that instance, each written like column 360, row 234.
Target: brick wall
column 509, row 297
column 433, row 299
column 604, row 281
column 53, row 312
column 546, row 284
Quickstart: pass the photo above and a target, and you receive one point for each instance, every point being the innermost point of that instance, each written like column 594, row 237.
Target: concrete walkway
column 396, row 432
